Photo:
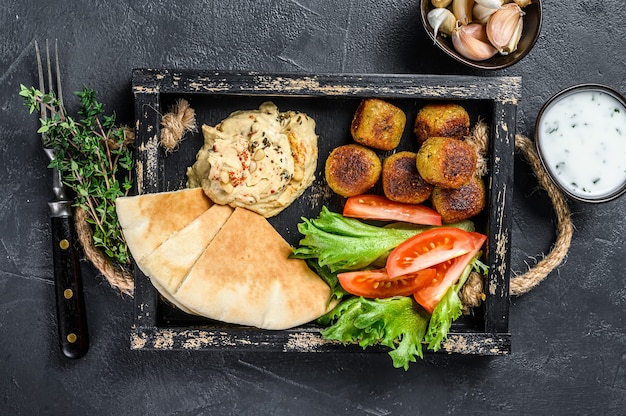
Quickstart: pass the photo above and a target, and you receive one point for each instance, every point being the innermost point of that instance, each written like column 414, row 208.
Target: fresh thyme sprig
column 93, row 158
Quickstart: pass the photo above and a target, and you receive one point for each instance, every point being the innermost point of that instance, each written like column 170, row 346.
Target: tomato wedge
column 376, row 207
column 446, row 275
column 378, row 284
column 431, row 247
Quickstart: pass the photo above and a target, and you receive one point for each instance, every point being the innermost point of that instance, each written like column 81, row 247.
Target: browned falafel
column 352, row 169
column 459, row 204
column 441, row 119
column 401, row 180
column 446, row 162
column 378, row 124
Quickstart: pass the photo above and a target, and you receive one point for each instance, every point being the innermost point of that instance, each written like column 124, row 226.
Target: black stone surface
column 568, row 334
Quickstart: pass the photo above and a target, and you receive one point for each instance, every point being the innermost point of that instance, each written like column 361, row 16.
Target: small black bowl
column 530, row 33
column 581, row 162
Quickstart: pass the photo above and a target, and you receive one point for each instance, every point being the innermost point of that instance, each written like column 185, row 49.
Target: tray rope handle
column 119, row 279
column 564, row 226
column 472, row 293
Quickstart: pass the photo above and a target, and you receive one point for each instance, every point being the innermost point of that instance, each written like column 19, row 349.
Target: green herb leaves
column 93, row 158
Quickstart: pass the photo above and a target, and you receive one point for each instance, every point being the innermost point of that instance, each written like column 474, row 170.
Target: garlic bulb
column 471, row 42
column 462, row 10
column 442, row 20
column 440, row 3
column 481, row 14
column 504, row 28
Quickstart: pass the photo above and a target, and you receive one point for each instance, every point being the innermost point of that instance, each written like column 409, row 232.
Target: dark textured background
column 569, row 336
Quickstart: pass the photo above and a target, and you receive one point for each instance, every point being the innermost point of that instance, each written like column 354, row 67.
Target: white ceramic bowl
column 580, row 135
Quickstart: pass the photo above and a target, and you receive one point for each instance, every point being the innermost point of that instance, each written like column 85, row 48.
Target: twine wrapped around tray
column 472, row 293
column 564, row 231
column 119, row 279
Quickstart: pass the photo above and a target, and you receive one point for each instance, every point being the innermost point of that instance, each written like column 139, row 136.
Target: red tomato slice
column 376, row 207
column 431, row 247
column 378, row 284
column 447, row 274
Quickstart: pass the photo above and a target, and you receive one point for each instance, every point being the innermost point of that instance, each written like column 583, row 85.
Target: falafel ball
column 446, row 162
column 459, row 204
column 441, row 119
column 352, row 169
column 378, row 124
column 401, row 180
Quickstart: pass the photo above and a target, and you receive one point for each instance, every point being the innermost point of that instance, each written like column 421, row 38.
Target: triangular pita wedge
column 148, row 220
column 169, row 263
column 245, row 277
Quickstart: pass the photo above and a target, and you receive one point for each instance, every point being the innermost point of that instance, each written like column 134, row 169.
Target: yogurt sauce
column 582, row 138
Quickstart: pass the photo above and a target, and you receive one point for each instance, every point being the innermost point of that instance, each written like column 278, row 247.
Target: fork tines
column 42, row 86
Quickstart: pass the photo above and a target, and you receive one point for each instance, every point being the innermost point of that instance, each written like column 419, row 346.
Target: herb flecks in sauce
column 582, row 142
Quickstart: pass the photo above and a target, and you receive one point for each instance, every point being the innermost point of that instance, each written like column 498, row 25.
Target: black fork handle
column 71, row 314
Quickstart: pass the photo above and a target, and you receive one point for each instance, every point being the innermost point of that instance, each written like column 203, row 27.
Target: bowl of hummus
column 261, row 159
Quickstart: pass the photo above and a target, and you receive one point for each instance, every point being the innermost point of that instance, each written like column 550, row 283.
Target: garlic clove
column 471, row 42
column 521, row 3
column 440, row 3
column 442, row 20
column 491, row 4
column 481, row 14
column 462, row 10
column 504, row 28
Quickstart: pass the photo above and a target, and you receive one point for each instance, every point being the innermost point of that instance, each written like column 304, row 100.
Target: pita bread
column 245, row 277
column 170, row 298
column 150, row 219
column 169, row 263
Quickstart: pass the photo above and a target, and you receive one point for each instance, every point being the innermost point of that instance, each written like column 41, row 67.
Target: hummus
column 261, row 159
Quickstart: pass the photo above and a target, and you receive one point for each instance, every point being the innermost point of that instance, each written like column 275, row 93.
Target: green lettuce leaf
column 345, row 243
column 398, row 323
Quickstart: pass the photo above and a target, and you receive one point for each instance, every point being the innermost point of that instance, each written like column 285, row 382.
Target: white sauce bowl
column 580, row 136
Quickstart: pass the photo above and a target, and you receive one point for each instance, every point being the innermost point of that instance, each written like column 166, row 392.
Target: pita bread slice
column 169, row 263
column 245, row 277
column 170, row 298
column 148, row 220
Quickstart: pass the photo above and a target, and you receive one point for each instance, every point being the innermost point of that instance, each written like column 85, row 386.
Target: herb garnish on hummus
column 261, row 159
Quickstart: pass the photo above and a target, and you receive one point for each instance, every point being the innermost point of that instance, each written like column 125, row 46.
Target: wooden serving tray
column 331, row 101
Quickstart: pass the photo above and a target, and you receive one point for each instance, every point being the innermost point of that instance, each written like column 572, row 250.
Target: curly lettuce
column 398, row 323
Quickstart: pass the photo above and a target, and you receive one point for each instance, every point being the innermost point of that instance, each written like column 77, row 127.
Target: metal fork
column 70, row 304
